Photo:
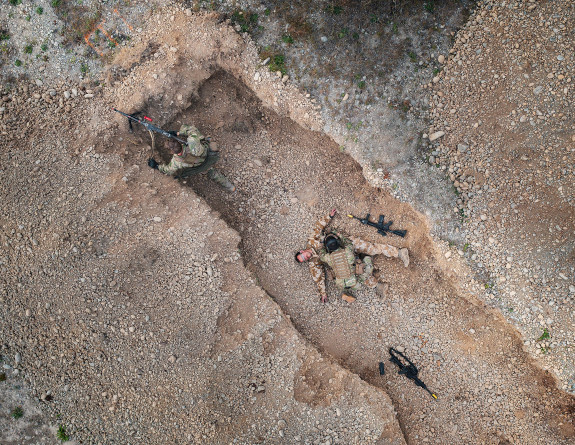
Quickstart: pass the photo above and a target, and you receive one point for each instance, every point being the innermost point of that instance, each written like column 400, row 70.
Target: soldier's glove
column 324, row 298
column 152, row 163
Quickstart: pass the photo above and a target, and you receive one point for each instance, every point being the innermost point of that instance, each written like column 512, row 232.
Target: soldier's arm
column 314, row 240
column 171, row 168
column 318, row 276
column 194, row 138
column 367, row 248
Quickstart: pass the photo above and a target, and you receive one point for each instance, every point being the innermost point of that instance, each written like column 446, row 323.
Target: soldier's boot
column 404, row 256
column 221, row 180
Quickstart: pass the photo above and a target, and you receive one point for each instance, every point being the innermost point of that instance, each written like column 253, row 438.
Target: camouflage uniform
column 193, row 155
column 351, row 246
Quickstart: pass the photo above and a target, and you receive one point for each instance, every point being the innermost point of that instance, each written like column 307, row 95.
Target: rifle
column 382, row 228
column 410, row 371
column 151, row 128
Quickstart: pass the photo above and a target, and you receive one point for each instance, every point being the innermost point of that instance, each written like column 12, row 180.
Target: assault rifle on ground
column 409, row 370
column 382, row 228
column 148, row 126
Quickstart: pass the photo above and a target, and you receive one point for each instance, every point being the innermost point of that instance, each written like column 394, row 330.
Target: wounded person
column 341, row 254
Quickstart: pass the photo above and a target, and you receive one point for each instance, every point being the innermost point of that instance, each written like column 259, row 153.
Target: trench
column 287, row 177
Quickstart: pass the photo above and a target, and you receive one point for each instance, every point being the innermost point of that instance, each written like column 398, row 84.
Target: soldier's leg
column 366, row 277
column 361, row 246
column 219, row 178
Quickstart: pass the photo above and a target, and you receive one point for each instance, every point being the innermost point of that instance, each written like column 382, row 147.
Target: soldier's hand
column 152, row 163
column 332, row 213
column 324, row 298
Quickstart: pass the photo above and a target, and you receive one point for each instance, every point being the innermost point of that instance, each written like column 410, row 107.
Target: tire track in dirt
column 287, row 178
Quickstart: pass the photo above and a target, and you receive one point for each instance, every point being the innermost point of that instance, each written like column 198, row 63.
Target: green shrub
column 15, row 2
column 28, row 49
column 62, row 434
column 18, row 62
column 17, row 412
column 39, row 10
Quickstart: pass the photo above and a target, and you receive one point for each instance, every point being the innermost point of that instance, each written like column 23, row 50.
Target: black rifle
column 382, row 228
column 410, row 371
column 152, row 128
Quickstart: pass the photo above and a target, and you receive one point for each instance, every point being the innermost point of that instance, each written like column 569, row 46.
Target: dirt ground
column 137, row 305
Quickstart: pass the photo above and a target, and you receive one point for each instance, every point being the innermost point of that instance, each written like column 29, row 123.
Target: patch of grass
column 17, row 412
column 39, row 10
column 28, row 49
column 62, row 434
column 334, row 9
column 15, row 2
column 343, row 33
column 510, row 309
column 286, row 38
column 466, row 247
column 44, row 47
column 412, row 56
column 18, row 62
column 267, row 12
column 2, row 377
column 4, row 35
column 436, row 71
column 394, row 28
column 429, row 6
column 373, row 18
column 355, row 36
column 247, row 21
column 545, row 335
column 361, row 84
column 78, row 20
column 28, row 17
column 84, row 68
column 277, row 63
column 488, row 285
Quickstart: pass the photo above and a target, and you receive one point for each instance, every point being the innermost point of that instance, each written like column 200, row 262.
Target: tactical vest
column 342, row 262
column 189, row 158
column 340, row 265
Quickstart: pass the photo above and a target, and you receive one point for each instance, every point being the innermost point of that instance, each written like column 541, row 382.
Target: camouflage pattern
column 193, row 155
column 353, row 246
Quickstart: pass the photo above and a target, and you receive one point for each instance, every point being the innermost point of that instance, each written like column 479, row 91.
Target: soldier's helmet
column 331, row 243
column 173, row 146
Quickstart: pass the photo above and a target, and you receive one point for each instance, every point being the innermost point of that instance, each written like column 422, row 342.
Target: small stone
column 28, row 313
column 17, row 358
column 157, row 219
column 39, row 82
column 172, row 359
column 400, row 349
column 436, row 135
column 346, row 96
column 447, row 254
column 348, row 298
column 483, row 217
column 560, row 58
column 323, row 39
column 441, row 58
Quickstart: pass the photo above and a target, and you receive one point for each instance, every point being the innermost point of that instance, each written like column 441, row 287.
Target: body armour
column 342, row 262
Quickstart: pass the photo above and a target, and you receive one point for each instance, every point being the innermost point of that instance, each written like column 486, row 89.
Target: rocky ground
column 509, row 148
column 138, row 306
